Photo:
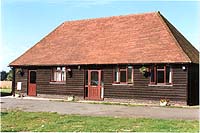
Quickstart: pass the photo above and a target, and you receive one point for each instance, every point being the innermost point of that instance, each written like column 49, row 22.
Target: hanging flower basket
column 164, row 102
column 71, row 98
column 143, row 69
column 20, row 71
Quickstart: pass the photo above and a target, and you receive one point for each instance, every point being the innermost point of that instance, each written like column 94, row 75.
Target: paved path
column 99, row 109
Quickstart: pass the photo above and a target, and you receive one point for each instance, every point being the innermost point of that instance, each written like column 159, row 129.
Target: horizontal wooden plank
column 139, row 89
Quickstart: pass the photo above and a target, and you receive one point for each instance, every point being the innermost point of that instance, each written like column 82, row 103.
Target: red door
column 32, row 83
column 94, row 84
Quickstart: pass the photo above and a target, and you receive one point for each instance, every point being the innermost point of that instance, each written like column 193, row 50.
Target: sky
column 26, row 22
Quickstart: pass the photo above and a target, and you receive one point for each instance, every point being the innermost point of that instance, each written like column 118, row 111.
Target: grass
column 43, row 121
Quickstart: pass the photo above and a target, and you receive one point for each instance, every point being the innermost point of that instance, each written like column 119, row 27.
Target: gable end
column 189, row 50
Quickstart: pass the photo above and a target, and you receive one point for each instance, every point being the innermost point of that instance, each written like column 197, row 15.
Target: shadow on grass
column 3, row 113
column 3, row 94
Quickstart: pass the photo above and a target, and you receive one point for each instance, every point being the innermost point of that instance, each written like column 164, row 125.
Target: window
column 59, row 74
column 123, row 74
column 160, row 75
column 116, row 75
column 94, row 78
column 33, row 77
column 130, row 74
column 152, row 76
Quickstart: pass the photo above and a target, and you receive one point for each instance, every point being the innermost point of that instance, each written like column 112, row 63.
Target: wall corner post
column 13, row 81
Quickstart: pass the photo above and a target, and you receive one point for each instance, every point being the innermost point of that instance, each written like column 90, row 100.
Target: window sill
column 54, row 82
column 159, row 85
column 123, row 84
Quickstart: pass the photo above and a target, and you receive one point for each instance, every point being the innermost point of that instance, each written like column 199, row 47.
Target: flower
column 164, row 100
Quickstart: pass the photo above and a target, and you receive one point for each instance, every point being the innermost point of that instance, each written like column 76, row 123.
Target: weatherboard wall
column 193, row 84
column 72, row 86
column 21, row 78
column 140, row 89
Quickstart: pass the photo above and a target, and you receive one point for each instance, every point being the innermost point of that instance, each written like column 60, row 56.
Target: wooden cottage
column 140, row 56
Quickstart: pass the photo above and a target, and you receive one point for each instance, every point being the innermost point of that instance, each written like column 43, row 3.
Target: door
column 94, row 84
column 32, row 83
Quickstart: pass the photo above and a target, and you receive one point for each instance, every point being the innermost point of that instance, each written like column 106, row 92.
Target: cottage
column 140, row 56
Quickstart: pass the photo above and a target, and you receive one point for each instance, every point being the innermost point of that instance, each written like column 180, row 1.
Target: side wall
column 193, row 84
column 21, row 78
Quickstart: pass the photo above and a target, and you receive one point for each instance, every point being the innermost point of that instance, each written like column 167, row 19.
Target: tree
column 10, row 75
column 3, row 75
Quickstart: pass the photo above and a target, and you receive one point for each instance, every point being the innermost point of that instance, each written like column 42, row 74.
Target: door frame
column 29, row 71
column 90, row 86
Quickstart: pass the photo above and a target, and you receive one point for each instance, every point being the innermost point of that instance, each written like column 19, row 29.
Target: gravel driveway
column 99, row 109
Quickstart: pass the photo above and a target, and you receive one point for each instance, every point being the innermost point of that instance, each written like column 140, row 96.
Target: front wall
column 73, row 85
column 141, row 90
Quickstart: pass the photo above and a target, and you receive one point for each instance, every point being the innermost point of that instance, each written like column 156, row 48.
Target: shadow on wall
column 193, row 86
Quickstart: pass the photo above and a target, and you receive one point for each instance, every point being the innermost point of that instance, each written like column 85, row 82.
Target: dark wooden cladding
column 13, row 82
column 23, row 79
column 73, row 85
column 193, row 84
column 142, row 90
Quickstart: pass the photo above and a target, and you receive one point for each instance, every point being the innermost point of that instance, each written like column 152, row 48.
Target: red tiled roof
column 140, row 38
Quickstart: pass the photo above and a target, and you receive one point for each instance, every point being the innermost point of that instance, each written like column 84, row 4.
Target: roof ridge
column 108, row 17
column 37, row 43
column 172, row 35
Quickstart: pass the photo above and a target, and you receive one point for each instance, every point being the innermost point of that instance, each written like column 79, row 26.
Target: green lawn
column 5, row 91
column 26, row 121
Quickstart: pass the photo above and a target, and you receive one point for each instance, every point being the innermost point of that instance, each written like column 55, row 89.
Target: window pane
column 160, row 67
column 63, row 68
column 130, row 75
column 86, row 91
column 58, row 76
column 160, row 76
column 168, row 75
column 102, row 78
column 122, row 67
column 63, row 76
column 32, row 77
column 152, row 74
column 86, row 77
column 54, row 75
column 122, row 76
column 94, row 78
column 116, row 75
